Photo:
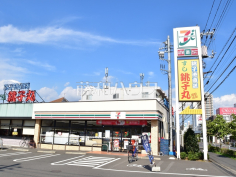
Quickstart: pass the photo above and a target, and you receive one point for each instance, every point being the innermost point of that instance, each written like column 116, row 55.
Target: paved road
column 37, row 164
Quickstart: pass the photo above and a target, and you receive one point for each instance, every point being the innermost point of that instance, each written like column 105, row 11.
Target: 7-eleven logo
column 187, row 38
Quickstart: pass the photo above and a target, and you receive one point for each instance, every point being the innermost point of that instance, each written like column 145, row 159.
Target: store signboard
column 226, row 111
column 121, row 122
column 189, row 80
column 187, row 44
column 198, row 119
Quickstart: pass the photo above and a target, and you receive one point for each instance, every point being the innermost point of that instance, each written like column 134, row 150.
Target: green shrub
column 230, row 152
column 183, row 155
column 193, row 156
column 201, row 155
column 190, row 141
column 211, row 148
column 217, row 149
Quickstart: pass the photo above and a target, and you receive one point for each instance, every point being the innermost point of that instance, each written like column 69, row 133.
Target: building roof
column 62, row 99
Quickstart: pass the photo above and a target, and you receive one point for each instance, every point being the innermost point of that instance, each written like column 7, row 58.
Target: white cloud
column 150, row 73
column 70, row 94
column 125, row 72
column 109, row 79
column 44, row 65
column 66, row 84
column 3, row 82
column 224, row 101
column 11, row 34
column 48, row 94
column 10, row 70
column 93, row 74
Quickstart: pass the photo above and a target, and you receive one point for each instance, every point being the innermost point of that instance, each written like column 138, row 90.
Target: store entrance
column 118, row 138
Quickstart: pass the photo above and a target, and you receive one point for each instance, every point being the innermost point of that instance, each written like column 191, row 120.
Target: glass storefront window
column 29, row 123
column 16, row 123
column 77, row 123
column 93, row 136
column 77, row 136
column 62, row 131
column 47, row 123
column 5, row 122
column 47, row 134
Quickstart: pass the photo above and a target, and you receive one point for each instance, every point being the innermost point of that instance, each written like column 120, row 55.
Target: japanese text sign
column 14, row 97
column 189, row 80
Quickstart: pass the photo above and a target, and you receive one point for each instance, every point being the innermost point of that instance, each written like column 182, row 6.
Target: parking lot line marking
column 168, row 167
column 56, row 163
column 107, row 163
column 89, row 161
column 35, row 158
column 155, row 173
column 12, row 154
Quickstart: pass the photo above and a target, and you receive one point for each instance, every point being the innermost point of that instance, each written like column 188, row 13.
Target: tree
column 190, row 141
column 232, row 126
column 218, row 127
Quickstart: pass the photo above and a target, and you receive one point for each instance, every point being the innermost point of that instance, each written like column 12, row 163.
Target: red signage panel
column 121, row 122
column 226, row 111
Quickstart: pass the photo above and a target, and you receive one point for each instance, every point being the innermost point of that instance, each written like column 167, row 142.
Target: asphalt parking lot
column 35, row 164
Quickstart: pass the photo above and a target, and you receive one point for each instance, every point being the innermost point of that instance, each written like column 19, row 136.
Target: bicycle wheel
column 130, row 158
column 23, row 143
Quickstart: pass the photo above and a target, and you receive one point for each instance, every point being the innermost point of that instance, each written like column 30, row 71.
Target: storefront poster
column 107, row 133
column 121, row 122
column 116, row 143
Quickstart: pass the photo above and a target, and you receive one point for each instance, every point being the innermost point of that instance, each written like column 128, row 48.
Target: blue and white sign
column 17, row 86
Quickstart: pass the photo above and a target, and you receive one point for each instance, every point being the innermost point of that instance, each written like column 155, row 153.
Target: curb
column 75, row 152
column 17, row 149
column 47, row 152
column 223, row 166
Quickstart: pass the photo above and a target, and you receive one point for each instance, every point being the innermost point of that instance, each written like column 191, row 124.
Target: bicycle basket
column 129, row 147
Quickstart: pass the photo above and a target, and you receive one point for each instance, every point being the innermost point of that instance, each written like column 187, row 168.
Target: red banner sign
column 226, row 111
column 121, row 122
column 13, row 97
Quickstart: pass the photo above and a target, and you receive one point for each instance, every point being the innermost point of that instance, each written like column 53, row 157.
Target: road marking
column 57, row 163
column 90, row 161
column 15, row 153
column 155, row 173
column 35, row 157
column 168, row 167
column 135, row 165
column 199, row 169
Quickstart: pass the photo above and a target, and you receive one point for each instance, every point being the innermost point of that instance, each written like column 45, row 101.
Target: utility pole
column 162, row 67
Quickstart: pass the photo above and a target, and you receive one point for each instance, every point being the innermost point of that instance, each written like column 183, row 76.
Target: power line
column 220, row 60
column 223, row 80
column 221, row 51
column 221, row 19
column 209, row 15
column 222, row 73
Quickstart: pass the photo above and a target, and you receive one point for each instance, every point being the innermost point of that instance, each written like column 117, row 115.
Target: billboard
column 189, row 80
column 226, row 111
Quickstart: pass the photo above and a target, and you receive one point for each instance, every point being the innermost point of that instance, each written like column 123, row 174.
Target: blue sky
column 54, row 44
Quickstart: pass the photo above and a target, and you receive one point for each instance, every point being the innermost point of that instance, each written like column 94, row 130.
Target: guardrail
column 99, row 144
column 69, row 143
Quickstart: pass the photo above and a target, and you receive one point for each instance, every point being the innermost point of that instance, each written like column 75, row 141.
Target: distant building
column 226, row 112
column 209, row 111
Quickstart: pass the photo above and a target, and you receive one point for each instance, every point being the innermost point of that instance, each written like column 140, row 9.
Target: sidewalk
column 223, row 161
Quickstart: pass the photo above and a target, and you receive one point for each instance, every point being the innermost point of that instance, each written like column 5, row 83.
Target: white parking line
column 35, row 157
column 15, row 153
column 89, row 161
column 58, row 163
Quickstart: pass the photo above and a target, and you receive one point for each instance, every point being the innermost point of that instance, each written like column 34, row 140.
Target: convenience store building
column 116, row 123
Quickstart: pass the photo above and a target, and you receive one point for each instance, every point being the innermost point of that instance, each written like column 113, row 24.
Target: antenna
column 106, row 75
column 141, row 78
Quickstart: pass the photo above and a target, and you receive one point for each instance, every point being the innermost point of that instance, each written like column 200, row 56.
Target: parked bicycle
column 24, row 142
column 132, row 153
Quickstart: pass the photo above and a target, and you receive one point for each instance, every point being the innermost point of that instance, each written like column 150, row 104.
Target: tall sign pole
column 189, row 76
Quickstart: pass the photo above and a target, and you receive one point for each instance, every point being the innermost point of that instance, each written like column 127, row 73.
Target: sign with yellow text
column 189, row 80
